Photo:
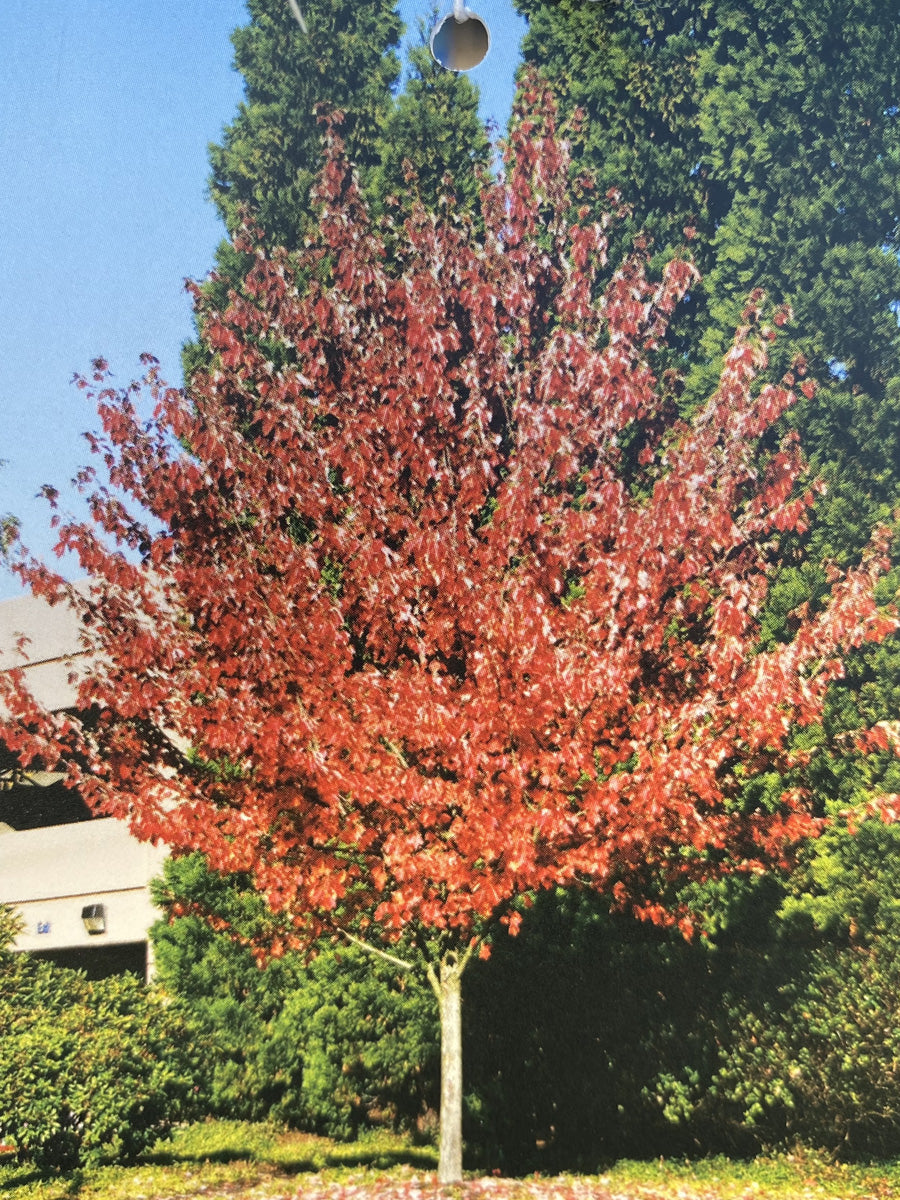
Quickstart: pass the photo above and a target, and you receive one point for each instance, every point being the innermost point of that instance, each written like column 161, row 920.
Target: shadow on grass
column 380, row 1159
column 295, row 1160
column 17, row 1181
column 15, row 1175
column 222, row 1143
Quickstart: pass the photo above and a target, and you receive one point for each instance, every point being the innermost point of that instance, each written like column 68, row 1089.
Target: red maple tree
column 421, row 599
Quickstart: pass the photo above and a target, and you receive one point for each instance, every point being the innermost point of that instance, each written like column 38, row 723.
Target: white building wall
column 49, row 875
column 45, row 640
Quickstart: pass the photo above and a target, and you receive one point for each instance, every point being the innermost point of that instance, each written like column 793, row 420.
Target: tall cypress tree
column 347, row 59
column 269, row 154
column 774, row 131
column 434, row 128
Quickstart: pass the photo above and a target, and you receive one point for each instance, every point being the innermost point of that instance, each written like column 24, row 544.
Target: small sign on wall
column 43, row 926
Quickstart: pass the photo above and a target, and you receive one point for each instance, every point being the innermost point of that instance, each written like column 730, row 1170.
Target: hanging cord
column 295, row 9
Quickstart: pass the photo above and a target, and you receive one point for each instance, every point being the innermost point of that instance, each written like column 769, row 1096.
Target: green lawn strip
column 231, row 1160
column 224, row 1158
column 798, row 1176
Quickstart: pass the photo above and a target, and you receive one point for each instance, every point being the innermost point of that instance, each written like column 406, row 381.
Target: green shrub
column 371, row 1049
column 818, row 1060
column 89, row 1071
column 231, row 1003
column 591, row 1036
column 569, row 1027
column 335, row 1046
column 10, row 926
column 820, row 1064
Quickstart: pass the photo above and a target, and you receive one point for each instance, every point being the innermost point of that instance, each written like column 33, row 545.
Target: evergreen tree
column 270, row 153
column 333, row 1044
column 772, row 129
column 402, row 145
column 773, row 132
column 432, row 132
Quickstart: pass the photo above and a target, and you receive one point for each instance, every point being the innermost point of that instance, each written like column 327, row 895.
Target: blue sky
column 107, row 110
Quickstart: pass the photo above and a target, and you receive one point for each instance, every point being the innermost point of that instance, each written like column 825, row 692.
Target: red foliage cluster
column 437, row 602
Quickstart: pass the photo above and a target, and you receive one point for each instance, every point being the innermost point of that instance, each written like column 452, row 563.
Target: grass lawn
column 228, row 1160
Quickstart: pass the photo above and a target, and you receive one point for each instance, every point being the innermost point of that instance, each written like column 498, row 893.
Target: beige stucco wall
column 51, row 652
column 48, row 875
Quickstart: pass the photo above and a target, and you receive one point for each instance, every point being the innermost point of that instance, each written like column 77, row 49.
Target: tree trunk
column 450, row 997
column 446, row 982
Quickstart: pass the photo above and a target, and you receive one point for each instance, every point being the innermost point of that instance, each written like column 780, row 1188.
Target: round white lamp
column 461, row 40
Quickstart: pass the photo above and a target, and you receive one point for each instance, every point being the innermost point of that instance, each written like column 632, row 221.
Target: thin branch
column 433, row 980
column 391, row 958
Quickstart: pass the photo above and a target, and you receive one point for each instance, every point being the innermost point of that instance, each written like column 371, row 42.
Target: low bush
column 89, row 1071
column 820, row 1063
column 370, row 1044
column 817, row 1060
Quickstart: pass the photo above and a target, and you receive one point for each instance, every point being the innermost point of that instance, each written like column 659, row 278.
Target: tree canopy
column 404, row 141
column 773, row 132
column 458, row 610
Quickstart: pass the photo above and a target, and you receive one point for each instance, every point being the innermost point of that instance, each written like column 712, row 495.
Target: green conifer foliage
column 269, row 154
column 772, row 129
column 634, row 76
column 267, row 160
column 773, row 132
column 433, row 128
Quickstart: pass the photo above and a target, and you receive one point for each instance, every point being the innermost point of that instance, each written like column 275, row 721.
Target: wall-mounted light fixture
column 461, row 40
column 94, row 917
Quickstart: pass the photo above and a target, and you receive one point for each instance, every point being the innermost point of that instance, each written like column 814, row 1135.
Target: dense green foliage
column 816, row 1056
column 233, row 1005
column 89, row 1071
column 574, row 1028
column 334, row 1045
column 774, row 132
column 432, row 132
column 594, row 1036
column 402, row 141
column 772, row 129
column 269, row 155
column 270, row 152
